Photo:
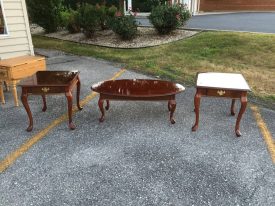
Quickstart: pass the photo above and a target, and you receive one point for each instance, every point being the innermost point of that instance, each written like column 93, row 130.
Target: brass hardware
column 221, row 92
column 45, row 89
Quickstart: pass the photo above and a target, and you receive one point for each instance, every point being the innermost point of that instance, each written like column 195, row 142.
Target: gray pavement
column 263, row 22
column 136, row 157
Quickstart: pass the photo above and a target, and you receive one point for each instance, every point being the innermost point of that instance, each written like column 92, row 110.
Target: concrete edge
column 224, row 30
column 230, row 12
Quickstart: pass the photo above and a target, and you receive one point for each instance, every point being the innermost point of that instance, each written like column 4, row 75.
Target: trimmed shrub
column 124, row 26
column 64, row 18
column 146, row 5
column 45, row 13
column 74, row 4
column 70, row 19
column 89, row 19
column 111, row 11
column 73, row 25
column 166, row 18
column 105, row 14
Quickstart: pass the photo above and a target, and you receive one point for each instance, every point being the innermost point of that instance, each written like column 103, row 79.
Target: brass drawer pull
column 45, row 89
column 221, row 92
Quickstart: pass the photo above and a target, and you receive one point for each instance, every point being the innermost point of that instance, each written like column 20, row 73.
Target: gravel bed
column 147, row 37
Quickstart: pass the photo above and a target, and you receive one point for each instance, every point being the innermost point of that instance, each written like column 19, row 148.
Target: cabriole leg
column 242, row 110
column 197, row 100
column 101, row 107
column 172, row 106
column 69, row 97
column 24, row 99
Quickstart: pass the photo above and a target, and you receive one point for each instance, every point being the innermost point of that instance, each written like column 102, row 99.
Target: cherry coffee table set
column 45, row 83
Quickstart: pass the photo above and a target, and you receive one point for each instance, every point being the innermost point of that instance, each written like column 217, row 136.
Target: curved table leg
column 100, row 105
column 24, row 99
column 69, row 97
column 172, row 105
column 242, row 110
column 108, row 105
column 44, row 103
column 197, row 100
column 169, row 106
column 233, row 107
column 78, row 94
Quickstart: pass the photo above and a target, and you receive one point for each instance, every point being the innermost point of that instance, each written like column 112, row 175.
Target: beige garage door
column 237, row 5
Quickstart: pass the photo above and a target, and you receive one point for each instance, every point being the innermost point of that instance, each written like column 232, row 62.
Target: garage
column 237, row 5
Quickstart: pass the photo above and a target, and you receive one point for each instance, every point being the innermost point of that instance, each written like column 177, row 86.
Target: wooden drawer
column 3, row 73
column 28, row 69
column 46, row 90
column 221, row 93
column 21, row 67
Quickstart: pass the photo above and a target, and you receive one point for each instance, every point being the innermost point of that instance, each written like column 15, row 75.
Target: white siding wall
column 18, row 42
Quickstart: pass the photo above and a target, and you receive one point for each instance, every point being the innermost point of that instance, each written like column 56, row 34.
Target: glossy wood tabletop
column 137, row 87
column 137, row 90
column 50, row 78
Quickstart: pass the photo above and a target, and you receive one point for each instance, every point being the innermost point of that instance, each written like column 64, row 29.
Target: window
column 3, row 26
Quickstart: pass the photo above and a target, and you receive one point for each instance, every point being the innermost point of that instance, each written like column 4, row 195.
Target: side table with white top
column 228, row 85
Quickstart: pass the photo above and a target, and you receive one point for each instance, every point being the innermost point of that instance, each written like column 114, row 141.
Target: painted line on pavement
column 265, row 132
column 13, row 156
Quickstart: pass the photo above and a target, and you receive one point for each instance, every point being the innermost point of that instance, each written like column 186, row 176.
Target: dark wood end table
column 137, row 90
column 49, row 83
column 228, row 85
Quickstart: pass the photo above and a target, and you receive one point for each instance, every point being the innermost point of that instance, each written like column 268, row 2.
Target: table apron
column 44, row 90
column 129, row 98
column 235, row 94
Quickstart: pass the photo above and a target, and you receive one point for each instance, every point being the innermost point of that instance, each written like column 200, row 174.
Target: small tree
column 45, row 13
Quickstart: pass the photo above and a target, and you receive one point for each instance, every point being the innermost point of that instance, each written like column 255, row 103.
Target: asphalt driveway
column 263, row 22
column 136, row 157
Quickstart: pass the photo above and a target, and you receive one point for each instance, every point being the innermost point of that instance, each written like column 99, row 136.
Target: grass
column 253, row 55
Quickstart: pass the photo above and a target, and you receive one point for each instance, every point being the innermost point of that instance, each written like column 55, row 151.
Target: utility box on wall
column 15, row 35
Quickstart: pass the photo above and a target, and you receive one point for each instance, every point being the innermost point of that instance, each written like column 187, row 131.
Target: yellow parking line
column 12, row 157
column 265, row 132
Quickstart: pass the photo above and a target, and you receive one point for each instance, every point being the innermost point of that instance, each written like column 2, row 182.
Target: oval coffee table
column 137, row 90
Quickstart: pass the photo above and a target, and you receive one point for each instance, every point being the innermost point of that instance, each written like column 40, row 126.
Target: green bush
column 146, row 5
column 124, row 26
column 166, row 18
column 45, row 13
column 64, row 18
column 111, row 11
column 105, row 14
column 73, row 25
column 73, row 4
column 89, row 19
column 70, row 19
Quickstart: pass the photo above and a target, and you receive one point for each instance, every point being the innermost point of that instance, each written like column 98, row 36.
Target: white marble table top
column 222, row 80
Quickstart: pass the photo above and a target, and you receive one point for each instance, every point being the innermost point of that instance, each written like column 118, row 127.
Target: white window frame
column 5, row 21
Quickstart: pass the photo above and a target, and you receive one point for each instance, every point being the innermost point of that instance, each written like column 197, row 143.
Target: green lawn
column 253, row 55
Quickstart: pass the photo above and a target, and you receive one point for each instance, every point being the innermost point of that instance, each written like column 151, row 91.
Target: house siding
column 18, row 42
